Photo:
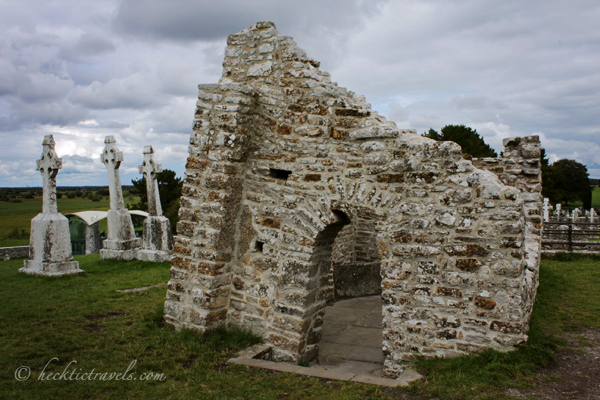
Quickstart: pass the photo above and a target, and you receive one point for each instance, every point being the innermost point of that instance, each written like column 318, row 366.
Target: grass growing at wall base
column 567, row 300
column 84, row 321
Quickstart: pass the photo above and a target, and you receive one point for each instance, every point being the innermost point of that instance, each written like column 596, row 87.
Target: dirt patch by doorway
column 575, row 372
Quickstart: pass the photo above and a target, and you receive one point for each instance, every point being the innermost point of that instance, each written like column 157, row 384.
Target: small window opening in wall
column 279, row 173
column 258, row 246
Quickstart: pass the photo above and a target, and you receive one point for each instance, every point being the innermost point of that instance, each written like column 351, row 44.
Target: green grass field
column 19, row 215
column 595, row 199
column 84, row 319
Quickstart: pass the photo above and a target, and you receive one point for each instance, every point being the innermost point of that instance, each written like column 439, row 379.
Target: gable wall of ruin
column 282, row 160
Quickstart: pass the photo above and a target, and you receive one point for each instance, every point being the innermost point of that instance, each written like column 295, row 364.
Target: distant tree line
column 566, row 181
column 93, row 193
column 469, row 140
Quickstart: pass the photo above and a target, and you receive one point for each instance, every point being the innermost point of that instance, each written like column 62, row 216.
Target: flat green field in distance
column 595, row 199
column 18, row 215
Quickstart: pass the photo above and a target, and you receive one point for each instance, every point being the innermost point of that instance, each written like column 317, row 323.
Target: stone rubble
column 290, row 177
column 50, row 251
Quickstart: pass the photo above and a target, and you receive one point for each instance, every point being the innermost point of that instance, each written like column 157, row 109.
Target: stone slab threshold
column 254, row 357
column 140, row 289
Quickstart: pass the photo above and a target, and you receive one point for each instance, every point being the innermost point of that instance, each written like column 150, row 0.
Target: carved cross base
column 121, row 243
column 158, row 240
column 93, row 241
column 50, row 247
column 157, row 234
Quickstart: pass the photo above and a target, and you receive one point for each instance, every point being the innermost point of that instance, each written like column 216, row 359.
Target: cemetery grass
column 567, row 303
column 84, row 319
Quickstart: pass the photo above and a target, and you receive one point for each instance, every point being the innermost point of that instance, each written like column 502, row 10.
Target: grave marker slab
column 158, row 240
column 50, row 251
column 121, row 243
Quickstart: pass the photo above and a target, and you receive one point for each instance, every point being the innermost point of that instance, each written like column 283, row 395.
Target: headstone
column 546, row 209
column 50, row 240
column 158, row 240
column 575, row 214
column 558, row 206
column 592, row 215
column 121, row 242
column 93, row 241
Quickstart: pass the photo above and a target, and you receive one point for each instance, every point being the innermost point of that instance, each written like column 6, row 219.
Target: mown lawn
column 83, row 320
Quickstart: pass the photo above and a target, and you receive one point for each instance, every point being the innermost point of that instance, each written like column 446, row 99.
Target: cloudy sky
column 81, row 70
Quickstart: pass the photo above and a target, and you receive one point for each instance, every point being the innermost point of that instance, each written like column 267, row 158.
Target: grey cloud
column 114, row 125
column 189, row 20
column 59, row 112
column 133, row 92
column 397, row 113
column 88, row 46
column 476, row 101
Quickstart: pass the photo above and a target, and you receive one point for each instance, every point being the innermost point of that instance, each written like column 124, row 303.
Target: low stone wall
column 355, row 260
column 14, row 252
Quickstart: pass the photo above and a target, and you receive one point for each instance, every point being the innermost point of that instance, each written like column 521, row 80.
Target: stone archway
column 276, row 147
column 355, row 261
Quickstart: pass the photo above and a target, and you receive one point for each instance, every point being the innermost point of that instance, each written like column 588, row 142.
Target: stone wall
column 355, row 260
column 281, row 160
column 14, row 252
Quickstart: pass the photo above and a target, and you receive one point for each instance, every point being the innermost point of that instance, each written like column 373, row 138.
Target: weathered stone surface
column 121, row 243
column 50, row 240
column 157, row 236
column 310, row 196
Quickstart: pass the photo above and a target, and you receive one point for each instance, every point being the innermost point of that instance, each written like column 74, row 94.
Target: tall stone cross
column 49, row 165
column 150, row 169
column 546, row 209
column 112, row 158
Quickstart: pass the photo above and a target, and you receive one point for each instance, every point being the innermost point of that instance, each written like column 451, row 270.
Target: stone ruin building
column 297, row 193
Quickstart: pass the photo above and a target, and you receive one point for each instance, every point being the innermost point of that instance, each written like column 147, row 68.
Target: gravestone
column 121, row 243
column 50, row 241
column 546, row 209
column 93, row 241
column 558, row 211
column 158, row 240
column 592, row 215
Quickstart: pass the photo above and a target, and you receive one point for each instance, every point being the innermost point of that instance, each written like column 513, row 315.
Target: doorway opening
column 352, row 332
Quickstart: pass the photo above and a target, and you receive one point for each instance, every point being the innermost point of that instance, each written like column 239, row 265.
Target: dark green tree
column 466, row 137
column 169, row 189
column 575, row 181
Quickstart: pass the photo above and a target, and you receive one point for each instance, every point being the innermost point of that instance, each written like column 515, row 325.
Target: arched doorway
column 352, row 331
